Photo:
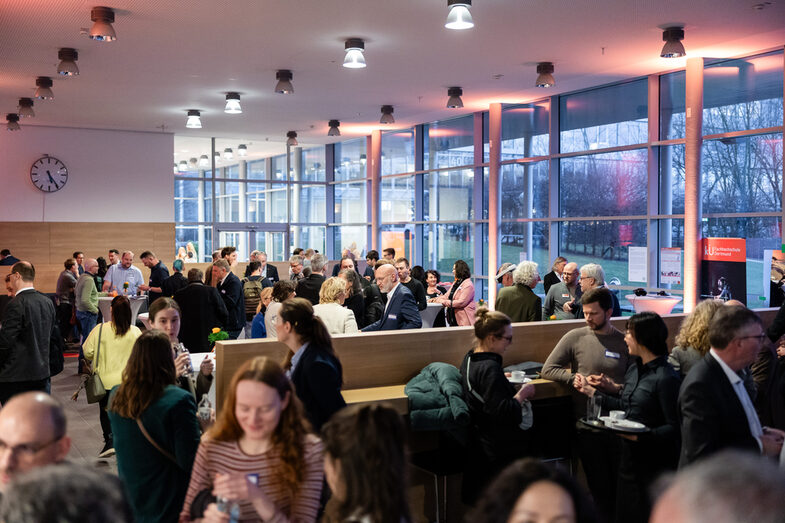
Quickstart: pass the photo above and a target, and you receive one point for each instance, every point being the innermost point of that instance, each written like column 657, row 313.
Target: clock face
column 49, row 174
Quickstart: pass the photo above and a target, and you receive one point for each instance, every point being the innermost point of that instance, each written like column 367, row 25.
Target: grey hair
column 65, row 493
column 351, row 276
column 730, row 487
column 594, row 270
column 526, row 273
column 318, row 262
column 296, row 259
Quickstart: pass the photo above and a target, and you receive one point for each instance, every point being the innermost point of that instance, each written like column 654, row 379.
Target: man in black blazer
column 231, row 290
column 201, row 309
column 309, row 287
column 29, row 330
column 554, row 277
column 401, row 309
column 6, row 258
column 714, row 408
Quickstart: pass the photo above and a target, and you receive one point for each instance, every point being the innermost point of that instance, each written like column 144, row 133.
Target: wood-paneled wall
column 48, row 244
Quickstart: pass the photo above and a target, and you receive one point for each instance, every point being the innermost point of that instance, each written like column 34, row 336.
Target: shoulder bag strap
column 98, row 349
column 154, row 444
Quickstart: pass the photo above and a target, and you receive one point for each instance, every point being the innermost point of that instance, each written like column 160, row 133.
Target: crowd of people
column 286, row 447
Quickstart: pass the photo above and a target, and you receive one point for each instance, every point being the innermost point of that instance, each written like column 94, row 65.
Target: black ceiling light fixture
column 387, row 115
column 233, row 104
column 194, row 120
column 291, row 139
column 242, row 150
column 545, row 75
column 12, row 122
column 67, row 66
column 673, row 48
column 355, row 57
column 334, row 131
column 284, row 85
column 25, row 109
column 102, row 30
column 43, row 88
column 454, row 101
column 459, row 16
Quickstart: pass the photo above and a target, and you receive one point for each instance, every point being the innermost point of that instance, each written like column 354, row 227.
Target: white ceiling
column 171, row 56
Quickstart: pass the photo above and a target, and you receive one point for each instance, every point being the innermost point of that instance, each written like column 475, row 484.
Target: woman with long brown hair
column 109, row 346
column 155, row 430
column 365, row 465
column 259, row 455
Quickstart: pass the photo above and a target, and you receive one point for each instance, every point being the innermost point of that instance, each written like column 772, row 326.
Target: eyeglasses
column 508, row 338
column 26, row 450
column 760, row 337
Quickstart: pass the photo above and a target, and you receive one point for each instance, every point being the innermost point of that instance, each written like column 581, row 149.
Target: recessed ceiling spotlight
column 459, row 16
column 387, row 115
column 673, row 48
column 194, row 119
column 12, row 120
column 242, row 150
column 355, row 58
column 291, row 139
column 233, row 103
column 334, row 131
column 454, row 101
column 284, row 85
column 228, row 153
column 545, row 75
column 102, row 30
column 182, row 166
column 44, row 88
column 25, row 109
column 204, row 161
column 68, row 58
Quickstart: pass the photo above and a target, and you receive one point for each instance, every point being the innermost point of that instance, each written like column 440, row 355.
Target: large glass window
column 743, row 94
column 449, row 143
column 196, row 239
column 444, row 243
column 672, row 179
column 308, row 236
column 742, row 174
column 398, row 199
column 257, row 170
column 398, row 152
column 607, row 184
column 400, row 237
column 350, row 160
column 448, row 195
column 524, row 190
column 227, row 201
column 525, row 241
column 672, row 105
column 186, row 200
column 313, row 164
column 352, row 237
column 255, row 198
column 605, row 117
column 525, row 130
column 351, row 202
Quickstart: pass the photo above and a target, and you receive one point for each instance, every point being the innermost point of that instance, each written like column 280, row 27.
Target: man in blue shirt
column 123, row 272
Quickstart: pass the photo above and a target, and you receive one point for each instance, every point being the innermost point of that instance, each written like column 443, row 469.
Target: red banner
column 725, row 249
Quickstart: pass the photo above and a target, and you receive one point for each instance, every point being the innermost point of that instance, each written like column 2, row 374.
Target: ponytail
column 310, row 328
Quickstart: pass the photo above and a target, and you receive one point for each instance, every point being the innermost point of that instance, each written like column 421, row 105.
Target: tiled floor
column 84, row 427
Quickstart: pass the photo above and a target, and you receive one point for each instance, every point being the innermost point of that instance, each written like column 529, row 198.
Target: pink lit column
column 692, row 185
column 494, row 186
column 374, row 164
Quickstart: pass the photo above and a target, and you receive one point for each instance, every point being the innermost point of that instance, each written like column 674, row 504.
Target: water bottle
column 189, row 368
column 229, row 507
column 205, row 409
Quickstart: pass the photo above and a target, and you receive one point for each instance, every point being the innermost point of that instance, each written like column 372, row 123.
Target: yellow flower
column 553, row 317
column 216, row 330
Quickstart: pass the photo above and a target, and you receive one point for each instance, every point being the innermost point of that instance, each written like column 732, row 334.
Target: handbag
column 94, row 387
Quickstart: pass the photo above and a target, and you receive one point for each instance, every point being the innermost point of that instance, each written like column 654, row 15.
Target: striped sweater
column 226, row 457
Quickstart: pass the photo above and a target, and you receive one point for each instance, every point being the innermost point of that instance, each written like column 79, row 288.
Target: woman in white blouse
column 337, row 318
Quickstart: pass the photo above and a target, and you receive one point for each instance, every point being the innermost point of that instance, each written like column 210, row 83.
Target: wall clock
column 49, row 174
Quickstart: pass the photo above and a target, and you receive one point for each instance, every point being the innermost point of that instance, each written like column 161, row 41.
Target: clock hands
column 50, row 178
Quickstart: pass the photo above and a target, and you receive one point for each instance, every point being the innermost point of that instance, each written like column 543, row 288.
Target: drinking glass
column 594, row 407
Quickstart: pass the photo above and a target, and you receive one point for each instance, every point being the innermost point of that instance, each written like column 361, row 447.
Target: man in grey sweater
column 563, row 292
column 595, row 353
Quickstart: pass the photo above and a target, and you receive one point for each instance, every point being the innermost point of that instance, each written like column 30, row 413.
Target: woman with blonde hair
column 337, row 318
column 259, row 455
column 692, row 341
column 258, row 329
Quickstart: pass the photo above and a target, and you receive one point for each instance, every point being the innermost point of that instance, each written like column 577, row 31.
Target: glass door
column 272, row 239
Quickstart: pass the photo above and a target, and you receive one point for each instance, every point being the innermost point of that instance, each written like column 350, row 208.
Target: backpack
column 252, row 291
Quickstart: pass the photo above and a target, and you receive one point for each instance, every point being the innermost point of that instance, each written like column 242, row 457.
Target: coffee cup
column 518, row 375
column 617, row 415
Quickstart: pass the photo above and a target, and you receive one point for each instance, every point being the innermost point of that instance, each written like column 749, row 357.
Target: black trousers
column 10, row 389
column 64, row 319
column 106, row 427
column 599, row 454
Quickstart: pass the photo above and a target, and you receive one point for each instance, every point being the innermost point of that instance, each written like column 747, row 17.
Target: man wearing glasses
column 32, row 434
column 29, row 329
column 715, row 410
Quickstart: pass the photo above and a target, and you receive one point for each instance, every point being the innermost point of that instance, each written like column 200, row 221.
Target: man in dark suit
column 309, row 287
column 201, row 309
column 714, row 408
column 29, row 330
column 554, row 277
column 6, row 258
column 269, row 271
column 401, row 309
column 231, row 290
column 318, row 387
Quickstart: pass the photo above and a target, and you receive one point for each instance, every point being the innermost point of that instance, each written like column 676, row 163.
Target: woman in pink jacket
column 459, row 301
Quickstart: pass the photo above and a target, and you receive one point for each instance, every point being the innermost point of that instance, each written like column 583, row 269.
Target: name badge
column 565, row 295
column 223, row 291
column 392, row 317
column 614, row 355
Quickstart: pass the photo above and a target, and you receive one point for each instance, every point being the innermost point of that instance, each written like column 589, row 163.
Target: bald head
column 734, row 303
column 91, row 266
column 386, row 277
column 32, row 434
column 570, row 274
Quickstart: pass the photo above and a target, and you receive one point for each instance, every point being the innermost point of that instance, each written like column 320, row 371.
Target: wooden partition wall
column 392, row 358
